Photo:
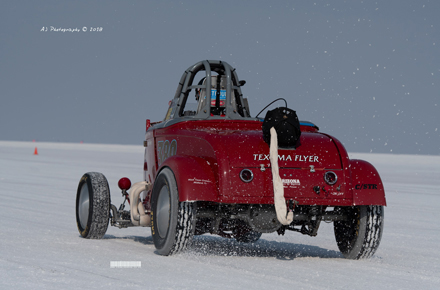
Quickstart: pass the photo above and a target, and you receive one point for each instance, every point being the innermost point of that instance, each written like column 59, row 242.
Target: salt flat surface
column 40, row 247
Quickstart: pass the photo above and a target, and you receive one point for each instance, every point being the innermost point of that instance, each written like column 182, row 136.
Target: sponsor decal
column 199, row 181
column 152, row 223
column 365, row 186
column 337, row 193
column 291, row 181
column 301, row 158
column 214, row 97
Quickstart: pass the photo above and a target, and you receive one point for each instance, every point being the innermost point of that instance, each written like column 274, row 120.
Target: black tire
column 359, row 236
column 172, row 222
column 249, row 237
column 92, row 205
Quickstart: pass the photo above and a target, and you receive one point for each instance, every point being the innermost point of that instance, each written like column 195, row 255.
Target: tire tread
column 101, row 198
column 360, row 238
column 181, row 226
column 373, row 233
column 185, row 227
column 99, row 205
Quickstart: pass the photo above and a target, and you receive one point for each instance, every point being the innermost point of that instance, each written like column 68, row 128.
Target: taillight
column 330, row 177
column 124, row 183
column 246, row 175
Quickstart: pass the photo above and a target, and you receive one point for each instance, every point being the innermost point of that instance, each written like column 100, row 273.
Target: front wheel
column 359, row 236
column 172, row 222
column 92, row 205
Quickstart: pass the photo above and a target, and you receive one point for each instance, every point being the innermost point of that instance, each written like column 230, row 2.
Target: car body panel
column 207, row 157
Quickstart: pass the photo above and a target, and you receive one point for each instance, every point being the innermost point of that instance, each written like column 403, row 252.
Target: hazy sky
column 366, row 72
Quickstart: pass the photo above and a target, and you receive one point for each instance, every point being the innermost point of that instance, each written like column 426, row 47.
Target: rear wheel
column 92, row 205
column 359, row 236
column 172, row 222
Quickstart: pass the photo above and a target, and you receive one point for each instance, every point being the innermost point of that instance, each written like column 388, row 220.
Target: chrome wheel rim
column 163, row 212
column 83, row 206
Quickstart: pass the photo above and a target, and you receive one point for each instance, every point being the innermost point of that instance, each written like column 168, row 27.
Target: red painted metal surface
column 367, row 184
column 207, row 157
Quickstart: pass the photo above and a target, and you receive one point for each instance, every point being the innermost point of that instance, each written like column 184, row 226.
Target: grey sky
column 366, row 72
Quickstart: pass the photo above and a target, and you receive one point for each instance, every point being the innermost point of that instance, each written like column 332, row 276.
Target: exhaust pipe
column 137, row 211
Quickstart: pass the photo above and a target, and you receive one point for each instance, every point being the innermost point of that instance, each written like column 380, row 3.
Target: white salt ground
column 40, row 247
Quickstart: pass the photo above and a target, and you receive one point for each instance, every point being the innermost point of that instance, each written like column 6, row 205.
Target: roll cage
column 235, row 106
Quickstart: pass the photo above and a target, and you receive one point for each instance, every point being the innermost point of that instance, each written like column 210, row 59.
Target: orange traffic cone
column 36, row 151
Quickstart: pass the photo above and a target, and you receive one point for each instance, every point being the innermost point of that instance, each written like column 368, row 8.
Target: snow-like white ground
column 40, row 247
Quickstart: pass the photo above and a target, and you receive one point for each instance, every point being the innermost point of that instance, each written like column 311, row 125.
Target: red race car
column 210, row 167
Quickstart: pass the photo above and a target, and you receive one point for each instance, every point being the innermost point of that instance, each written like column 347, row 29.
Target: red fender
column 367, row 186
column 194, row 176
